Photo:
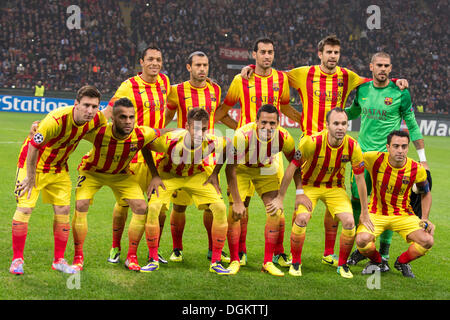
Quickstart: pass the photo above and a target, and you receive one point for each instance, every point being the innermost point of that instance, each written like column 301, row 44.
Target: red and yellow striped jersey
column 323, row 165
column 56, row 138
column 149, row 100
column 252, row 152
column 391, row 187
column 320, row 92
column 257, row 91
column 112, row 155
column 175, row 157
column 185, row 96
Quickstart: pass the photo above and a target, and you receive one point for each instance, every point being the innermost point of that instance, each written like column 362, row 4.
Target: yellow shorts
column 335, row 199
column 124, row 186
column 253, row 179
column 56, row 189
column 182, row 198
column 141, row 176
column 191, row 185
column 404, row 225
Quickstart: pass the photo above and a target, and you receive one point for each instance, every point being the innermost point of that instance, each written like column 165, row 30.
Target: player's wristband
column 421, row 153
column 299, row 191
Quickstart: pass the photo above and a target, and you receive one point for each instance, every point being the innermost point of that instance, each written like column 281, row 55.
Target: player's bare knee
column 179, row 208
column 25, row 210
column 347, row 220
column 302, row 219
column 363, row 239
column 64, row 210
column 82, row 205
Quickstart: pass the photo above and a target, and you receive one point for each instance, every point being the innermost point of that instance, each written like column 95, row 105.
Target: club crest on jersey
column 405, row 180
column 38, row 138
column 163, row 89
column 276, row 87
column 345, row 158
column 388, row 101
column 133, row 147
column 340, row 82
column 213, row 98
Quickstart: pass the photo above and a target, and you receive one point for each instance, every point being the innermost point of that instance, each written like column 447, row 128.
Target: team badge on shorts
column 388, row 101
column 38, row 138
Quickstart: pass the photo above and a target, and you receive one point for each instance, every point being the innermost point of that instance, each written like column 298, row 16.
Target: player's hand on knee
column 154, row 185
column 428, row 226
column 365, row 220
column 238, row 210
column 274, row 205
column 302, row 199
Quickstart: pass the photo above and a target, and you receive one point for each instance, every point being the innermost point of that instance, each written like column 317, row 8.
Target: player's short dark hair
column 123, row 102
column 261, row 40
column 88, row 91
column 337, row 109
column 331, row 40
column 197, row 114
column 269, row 108
column 151, row 47
column 398, row 133
column 193, row 54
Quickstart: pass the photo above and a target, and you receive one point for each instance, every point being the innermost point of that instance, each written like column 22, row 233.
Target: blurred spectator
column 413, row 32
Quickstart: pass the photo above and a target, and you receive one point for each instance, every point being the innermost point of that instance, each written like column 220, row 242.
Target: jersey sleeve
column 161, row 143
column 297, row 76
column 422, row 180
column 172, row 98
column 122, row 91
column 288, row 146
column 285, row 96
column 304, row 151
column 357, row 159
column 354, row 80
column 233, row 93
column 369, row 159
column 407, row 113
column 48, row 129
column 354, row 111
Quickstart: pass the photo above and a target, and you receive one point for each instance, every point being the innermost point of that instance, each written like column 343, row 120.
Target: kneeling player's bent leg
column 298, row 235
column 80, row 226
column 347, row 236
column 152, row 229
column 218, row 230
column 61, row 230
column 20, row 230
column 421, row 243
column 137, row 224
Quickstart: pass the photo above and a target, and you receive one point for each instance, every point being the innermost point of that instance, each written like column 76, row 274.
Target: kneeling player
column 257, row 146
column 184, row 166
column 393, row 176
column 114, row 146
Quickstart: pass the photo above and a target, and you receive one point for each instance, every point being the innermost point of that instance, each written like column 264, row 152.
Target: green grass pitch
column 191, row 279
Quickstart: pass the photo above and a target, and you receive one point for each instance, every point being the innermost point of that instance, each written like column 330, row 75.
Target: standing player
column 42, row 166
column 393, row 176
column 322, row 88
column 265, row 86
column 197, row 92
column 187, row 154
column 322, row 158
column 107, row 163
column 148, row 92
column 257, row 145
column 382, row 106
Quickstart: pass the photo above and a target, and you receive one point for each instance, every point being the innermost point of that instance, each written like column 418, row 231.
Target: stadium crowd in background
column 39, row 46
